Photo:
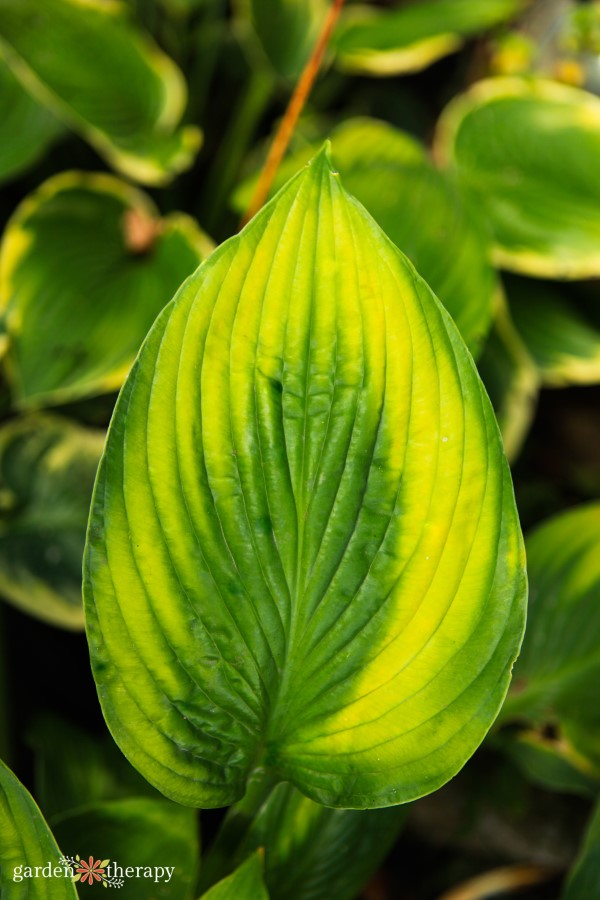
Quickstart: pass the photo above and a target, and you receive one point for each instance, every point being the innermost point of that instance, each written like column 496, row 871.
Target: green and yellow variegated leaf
column 511, row 380
column 528, row 150
column 373, row 41
column 561, row 334
column 551, row 762
column 86, row 264
column 26, row 128
column 105, row 80
column 582, row 882
column 304, row 550
column 556, row 678
column 47, row 470
column 246, row 883
column 389, row 172
column 312, row 852
column 287, row 30
column 26, row 840
column 137, row 831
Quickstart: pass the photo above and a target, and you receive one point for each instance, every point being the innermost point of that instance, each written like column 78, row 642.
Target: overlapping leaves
column 303, row 549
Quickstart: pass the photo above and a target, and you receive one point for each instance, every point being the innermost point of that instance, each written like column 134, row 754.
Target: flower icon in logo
column 90, row 871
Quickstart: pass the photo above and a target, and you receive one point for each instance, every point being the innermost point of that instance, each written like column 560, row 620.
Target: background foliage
column 131, row 136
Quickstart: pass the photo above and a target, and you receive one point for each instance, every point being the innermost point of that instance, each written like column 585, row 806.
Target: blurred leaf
column 557, row 674
column 47, row 469
column 511, row 380
column 87, row 265
column 73, row 767
column 246, row 883
column 26, row 128
column 551, row 762
column 103, row 79
column 563, row 341
column 137, row 831
column 312, row 852
column 287, row 30
column 388, row 171
column 354, row 501
column 528, row 149
column 393, row 41
column 26, row 840
column 584, row 878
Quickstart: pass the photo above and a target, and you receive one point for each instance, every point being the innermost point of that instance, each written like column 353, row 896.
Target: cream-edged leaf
column 303, row 550
column 528, row 150
column 86, row 264
column 106, row 81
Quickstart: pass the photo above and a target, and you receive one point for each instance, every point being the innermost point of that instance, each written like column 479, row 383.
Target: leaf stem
column 292, row 114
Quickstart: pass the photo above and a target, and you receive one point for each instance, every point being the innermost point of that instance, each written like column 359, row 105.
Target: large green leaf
column 304, row 549
column 246, row 883
column 561, row 334
column 26, row 128
column 528, row 149
column 287, row 30
column 556, row 677
column 312, row 852
column 389, row 172
column 47, row 470
column 104, row 80
column 86, row 265
column 26, row 840
column 137, row 832
column 583, row 880
column 392, row 41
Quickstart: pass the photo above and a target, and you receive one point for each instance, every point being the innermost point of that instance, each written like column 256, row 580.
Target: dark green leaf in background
column 109, row 82
column 528, row 150
column 26, row 128
column 373, row 41
column 47, row 470
column 86, row 265
column 26, row 840
column 287, row 30
column 584, row 879
column 304, row 550
column 420, row 209
column 246, row 883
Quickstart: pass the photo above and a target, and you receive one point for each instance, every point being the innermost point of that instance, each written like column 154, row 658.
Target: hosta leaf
column 246, row 883
column 304, row 549
column 511, row 379
column 392, row 41
column 389, row 172
column 562, row 335
column 108, row 82
column 552, row 762
column 287, row 30
column 528, row 149
column 26, row 840
column 86, row 265
column 557, row 674
column 26, row 128
column 583, row 880
column 137, row 831
column 47, row 469
column 312, row 852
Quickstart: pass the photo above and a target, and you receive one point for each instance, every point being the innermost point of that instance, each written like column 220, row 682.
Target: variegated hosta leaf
column 104, row 80
column 389, row 172
column 246, row 883
column 26, row 840
column 561, row 334
column 552, row 762
column 583, row 880
column 374, row 41
column 47, row 470
column 304, row 550
column 86, row 264
column 528, row 149
column 287, row 30
column 26, row 128
column 556, row 678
